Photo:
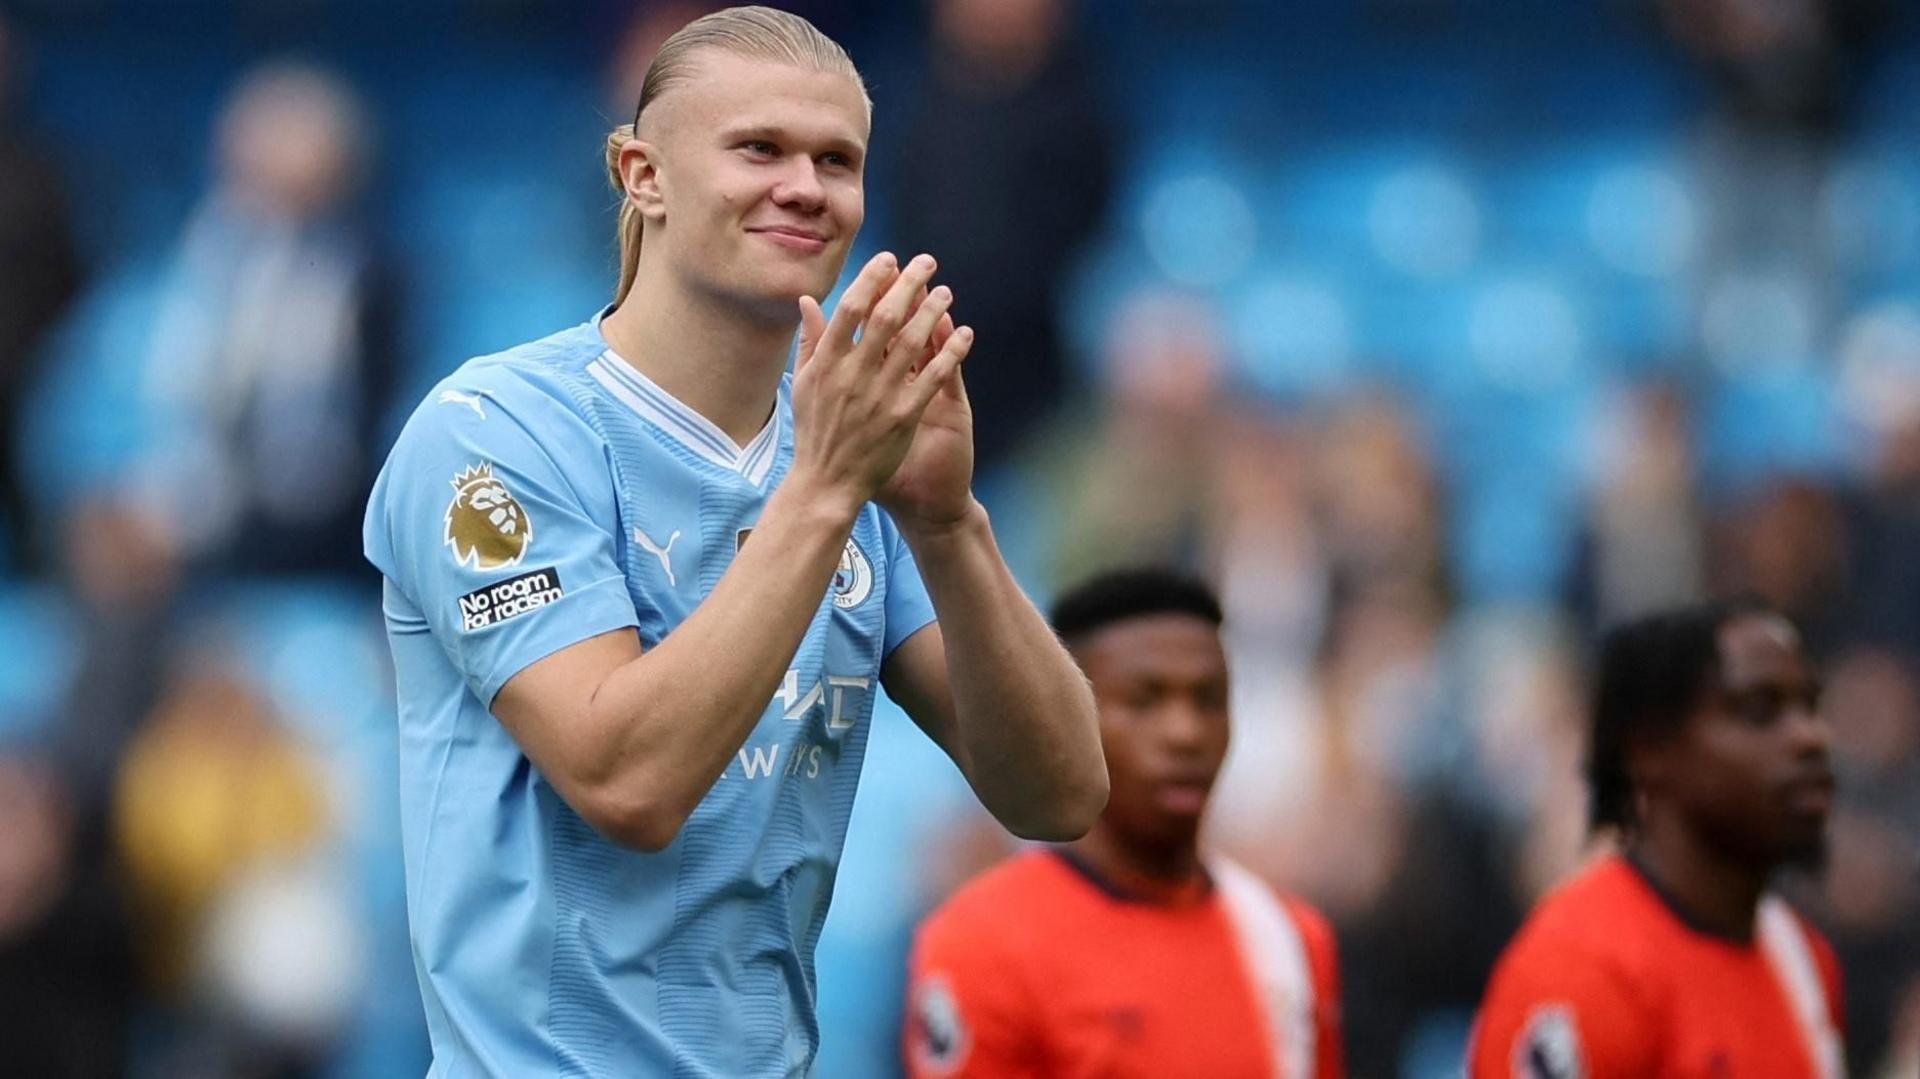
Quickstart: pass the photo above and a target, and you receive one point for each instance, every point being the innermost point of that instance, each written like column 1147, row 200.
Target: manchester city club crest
column 485, row 527
column 853, row 579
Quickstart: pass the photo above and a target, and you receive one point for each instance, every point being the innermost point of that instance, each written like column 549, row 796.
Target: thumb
column 813, row 326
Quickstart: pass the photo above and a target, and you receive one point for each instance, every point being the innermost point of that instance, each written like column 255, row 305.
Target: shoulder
column 1316, row 932
column 538, row 379
column 1594, row 911
column 508, row 402
column 1829, row 964
column 1571, row 985
column 979, row 910
column 1583, row 943
column 1818, row 951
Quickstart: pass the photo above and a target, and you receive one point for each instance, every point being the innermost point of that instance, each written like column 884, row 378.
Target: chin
column 1806, row 854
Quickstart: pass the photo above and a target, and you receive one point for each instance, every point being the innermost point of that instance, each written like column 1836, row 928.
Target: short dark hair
column 1139, row 592
column 1650, row 674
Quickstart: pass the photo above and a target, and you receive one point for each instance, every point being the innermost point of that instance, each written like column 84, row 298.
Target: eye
column 760, row 148
column 836, row 161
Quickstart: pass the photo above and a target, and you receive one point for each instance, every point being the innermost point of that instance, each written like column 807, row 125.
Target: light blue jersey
column 536, row 498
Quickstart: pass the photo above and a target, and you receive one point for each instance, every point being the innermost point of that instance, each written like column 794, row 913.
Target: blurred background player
column 1127, row 953
column 643, row 590
column 1670, row 957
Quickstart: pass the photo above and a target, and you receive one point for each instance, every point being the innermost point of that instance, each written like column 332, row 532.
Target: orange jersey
column 1037, row 969
column 1605, row 980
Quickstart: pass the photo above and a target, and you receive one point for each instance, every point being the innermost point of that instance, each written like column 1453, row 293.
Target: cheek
column 850, row 206
column 1732, row 765
column 1123, row 760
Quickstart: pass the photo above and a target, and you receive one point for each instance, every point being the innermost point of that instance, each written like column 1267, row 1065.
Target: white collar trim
column 683, row 424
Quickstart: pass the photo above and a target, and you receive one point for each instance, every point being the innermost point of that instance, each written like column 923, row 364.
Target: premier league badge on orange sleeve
column 940, row 1039
column 1549, row 1047
column 485, row 527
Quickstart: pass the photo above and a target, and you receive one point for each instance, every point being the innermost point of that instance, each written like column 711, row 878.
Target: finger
column 909, row 349
column 942, row 369
column 893, row 309
column 941, row 331
column 813, row 326
column 858, row 300
column 956, row 386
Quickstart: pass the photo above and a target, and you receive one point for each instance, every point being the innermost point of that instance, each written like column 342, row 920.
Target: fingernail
column 942, row 293
column 885, row 258
column 924, row 262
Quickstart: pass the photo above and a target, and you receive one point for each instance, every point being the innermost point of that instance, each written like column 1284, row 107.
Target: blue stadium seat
column 37, row 659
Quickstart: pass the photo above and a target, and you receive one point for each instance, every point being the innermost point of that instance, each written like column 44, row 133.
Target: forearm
column 665, row 724
column 1025, row 731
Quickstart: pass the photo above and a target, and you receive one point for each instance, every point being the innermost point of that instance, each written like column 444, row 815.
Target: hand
column 863, row 380
column 933, row 487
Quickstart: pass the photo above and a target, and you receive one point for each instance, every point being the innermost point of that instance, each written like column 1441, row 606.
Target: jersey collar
column 684, row 425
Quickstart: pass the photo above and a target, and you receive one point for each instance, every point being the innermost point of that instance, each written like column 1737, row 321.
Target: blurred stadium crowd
column 1437, row 332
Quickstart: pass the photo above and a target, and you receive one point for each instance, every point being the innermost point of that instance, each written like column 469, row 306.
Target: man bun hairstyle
column 756, row 33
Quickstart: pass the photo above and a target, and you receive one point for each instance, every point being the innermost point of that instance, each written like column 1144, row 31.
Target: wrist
column 971, row 522
column 817, row 501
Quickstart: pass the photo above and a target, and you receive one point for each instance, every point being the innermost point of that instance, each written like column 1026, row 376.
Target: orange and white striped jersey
column 1606, row 981
column 1039, row 969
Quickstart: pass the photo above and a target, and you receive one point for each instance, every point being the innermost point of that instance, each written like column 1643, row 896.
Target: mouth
column 793, row 238
column 1809, row 795
column 1182, row 797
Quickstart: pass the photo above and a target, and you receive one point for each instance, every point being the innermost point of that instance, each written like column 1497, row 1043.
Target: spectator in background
column 1786, row 543
column 273, row 354
column 1009, row 159
column 66, row 967
column 39, row 274
column 1642, row 546
column 1138, row 485
column 219, row 814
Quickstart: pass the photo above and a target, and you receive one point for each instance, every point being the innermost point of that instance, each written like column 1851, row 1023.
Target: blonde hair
column 756, row 33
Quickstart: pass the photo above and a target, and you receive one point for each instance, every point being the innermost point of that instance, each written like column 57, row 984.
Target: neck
column 1149, row 871
column 721, row 363
column 1710, row 889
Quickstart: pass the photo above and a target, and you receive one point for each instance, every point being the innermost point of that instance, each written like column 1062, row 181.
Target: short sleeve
column 498, row 524
column 1550, row 1014
column 966, row 1013
column 909, row 609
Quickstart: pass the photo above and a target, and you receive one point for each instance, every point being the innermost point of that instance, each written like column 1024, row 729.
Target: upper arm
column 499, row 524
column 545, row 708
column 966, row 1015
column 1547, row 1010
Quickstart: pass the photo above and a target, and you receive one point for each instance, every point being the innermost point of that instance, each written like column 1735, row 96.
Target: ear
column 1651, row 763
column 640, row 175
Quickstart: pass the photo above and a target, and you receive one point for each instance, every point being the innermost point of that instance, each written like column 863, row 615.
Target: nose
column 799, row 187
column 1183, row 726
column 1809, row 732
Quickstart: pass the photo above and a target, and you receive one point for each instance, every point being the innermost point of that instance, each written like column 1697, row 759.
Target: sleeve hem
column 600, row 607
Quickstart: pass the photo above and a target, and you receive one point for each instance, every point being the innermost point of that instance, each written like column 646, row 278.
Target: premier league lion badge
column 486, row 528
